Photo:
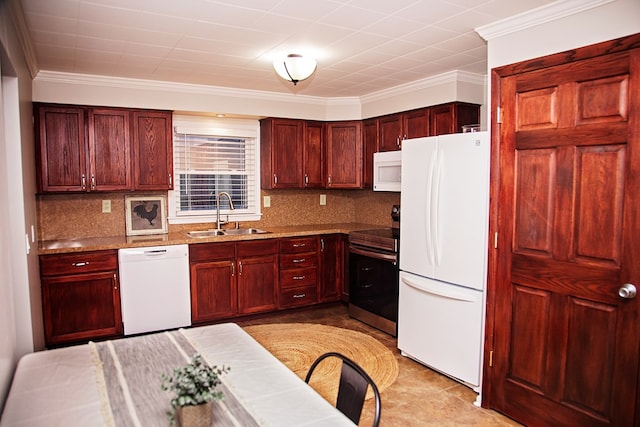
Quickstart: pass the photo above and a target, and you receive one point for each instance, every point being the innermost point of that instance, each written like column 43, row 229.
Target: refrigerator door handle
column 436, row 206
column 452, row 292
column 429, row 210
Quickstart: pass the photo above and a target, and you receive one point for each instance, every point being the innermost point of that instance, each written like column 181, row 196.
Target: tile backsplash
column 68, row 216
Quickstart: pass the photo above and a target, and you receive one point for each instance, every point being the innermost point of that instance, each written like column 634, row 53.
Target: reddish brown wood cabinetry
column 229, row 279
column 152, row 150
column 370, row 145
column 80, row 297
column 281, row 153
column 83, row 149
column 331, row 280
column 344, row 154
column 449, row 118
column 395, row 128
column 313, row 154
column 298, row 271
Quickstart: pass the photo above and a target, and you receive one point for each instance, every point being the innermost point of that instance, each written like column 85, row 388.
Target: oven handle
column 377, row 255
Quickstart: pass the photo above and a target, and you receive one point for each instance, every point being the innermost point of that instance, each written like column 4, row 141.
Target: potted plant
column 195, row 389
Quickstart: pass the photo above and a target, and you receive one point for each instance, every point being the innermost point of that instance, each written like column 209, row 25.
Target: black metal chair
column 352, row 388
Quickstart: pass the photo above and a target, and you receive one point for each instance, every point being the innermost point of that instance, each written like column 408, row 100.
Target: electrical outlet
column 323, row 199
column 266, row 201
column 106, row 206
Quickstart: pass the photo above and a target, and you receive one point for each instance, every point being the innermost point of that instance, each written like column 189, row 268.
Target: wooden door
column 109, row 150
column 152, row 150
column 313, row 154
column 81, row 307
column 330, row 281
column 416, row 123
column 258, row 284
column 281, row 154
column 565, row 345
column 213, row 290
column 61, row 149
column 390, row 132
column 344, row 154
column 370, row 146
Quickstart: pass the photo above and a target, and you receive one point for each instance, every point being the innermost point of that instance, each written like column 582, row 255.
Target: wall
column 20, row 313
column 68, row 216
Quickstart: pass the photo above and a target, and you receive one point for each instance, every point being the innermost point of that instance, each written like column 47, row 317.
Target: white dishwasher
column 154, row 288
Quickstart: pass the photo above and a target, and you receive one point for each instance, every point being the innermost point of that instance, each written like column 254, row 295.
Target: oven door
column 373, row 287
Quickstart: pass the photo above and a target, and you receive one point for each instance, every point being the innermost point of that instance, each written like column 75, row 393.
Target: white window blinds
column 208, row 161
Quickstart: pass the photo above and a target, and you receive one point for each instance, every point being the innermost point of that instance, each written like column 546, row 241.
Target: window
column 213, row 156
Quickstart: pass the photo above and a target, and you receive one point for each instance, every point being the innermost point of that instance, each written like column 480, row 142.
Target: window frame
column 218, row 127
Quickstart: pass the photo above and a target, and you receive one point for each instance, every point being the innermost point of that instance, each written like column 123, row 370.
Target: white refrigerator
column 443, row 252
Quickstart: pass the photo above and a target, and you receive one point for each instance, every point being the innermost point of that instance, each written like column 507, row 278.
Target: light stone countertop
column 176, row 238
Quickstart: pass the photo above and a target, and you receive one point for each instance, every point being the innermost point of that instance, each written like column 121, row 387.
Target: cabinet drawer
column 75, row 263
column 297, row 277
column 257, row 248
column 301, row 260
column 298, row 296
column 211, row 251
column 298, row 244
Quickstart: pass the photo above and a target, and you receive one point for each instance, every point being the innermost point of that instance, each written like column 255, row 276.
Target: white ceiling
column 362, row 46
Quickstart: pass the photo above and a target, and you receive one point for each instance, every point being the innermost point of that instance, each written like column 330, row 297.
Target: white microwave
column 387, row 168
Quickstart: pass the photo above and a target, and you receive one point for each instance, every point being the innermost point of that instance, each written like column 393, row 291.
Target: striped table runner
column 129, row 376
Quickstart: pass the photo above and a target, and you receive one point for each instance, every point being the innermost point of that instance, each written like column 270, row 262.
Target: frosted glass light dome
column 295, row 68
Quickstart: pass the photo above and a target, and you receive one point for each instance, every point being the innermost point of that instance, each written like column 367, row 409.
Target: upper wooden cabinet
column 313, row 148
column 281, row 153
column 395, row 128
column 82, row 149
column 152, row 150
column 344, row 154
column 370, row 145
column 449, row 118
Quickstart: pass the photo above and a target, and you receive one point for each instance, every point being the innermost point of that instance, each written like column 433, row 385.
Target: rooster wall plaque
column 145, row 215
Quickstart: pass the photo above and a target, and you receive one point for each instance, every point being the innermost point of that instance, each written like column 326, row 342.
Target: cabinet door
column 449, row 118
column 370, row 145
column 281, row 153
column 152, row 150
column 81, row 307
column 313, row 154
column 61, row 149
column 344, row 154
column 213, row 290
column 257, row 284
column 416, row 123
column 331, row 268
column 390, row 133
column 109, row 150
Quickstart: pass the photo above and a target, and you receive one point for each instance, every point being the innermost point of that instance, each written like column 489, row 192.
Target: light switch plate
column 323, row 199
column 266, row 201
column 106, row 206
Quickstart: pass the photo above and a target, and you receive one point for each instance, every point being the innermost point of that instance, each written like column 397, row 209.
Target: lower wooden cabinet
column 298, row 271
column 331, row 279
column 230, row 279
column 80, row 297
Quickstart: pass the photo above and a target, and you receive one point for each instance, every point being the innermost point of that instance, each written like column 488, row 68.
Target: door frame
column 498, row 261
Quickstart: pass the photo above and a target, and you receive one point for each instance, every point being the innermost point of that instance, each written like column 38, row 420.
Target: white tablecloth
column 59, row 388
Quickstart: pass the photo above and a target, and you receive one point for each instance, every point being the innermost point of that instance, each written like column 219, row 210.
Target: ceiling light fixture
column 295, row 68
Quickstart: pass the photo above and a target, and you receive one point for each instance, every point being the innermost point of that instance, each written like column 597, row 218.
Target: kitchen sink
column 229, row 232
column 243, row 231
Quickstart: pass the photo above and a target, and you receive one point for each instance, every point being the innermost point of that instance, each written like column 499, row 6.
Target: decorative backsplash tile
column 68, row 216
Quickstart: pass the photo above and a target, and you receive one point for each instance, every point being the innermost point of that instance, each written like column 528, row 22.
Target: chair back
column 352, row 388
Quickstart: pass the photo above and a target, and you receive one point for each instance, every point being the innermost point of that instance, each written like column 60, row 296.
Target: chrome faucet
column 220, row 194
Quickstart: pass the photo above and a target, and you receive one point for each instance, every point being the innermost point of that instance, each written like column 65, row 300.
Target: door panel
column 565, row 344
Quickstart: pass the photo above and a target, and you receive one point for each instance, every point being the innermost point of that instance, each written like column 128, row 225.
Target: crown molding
column 22, row 32
column 454, row 76
column 540, row 15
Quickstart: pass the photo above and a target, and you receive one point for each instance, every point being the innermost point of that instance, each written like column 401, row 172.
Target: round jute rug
column 298, row 345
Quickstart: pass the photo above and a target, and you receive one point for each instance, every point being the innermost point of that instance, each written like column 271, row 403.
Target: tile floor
column 419, row 397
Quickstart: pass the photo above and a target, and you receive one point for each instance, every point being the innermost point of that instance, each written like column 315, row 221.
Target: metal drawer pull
column 300, row 296
column 299, row 277
column 299, row 245
column 80, row 264
column 299, row 260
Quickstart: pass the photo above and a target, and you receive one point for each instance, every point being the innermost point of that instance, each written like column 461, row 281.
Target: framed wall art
column 145, row 215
